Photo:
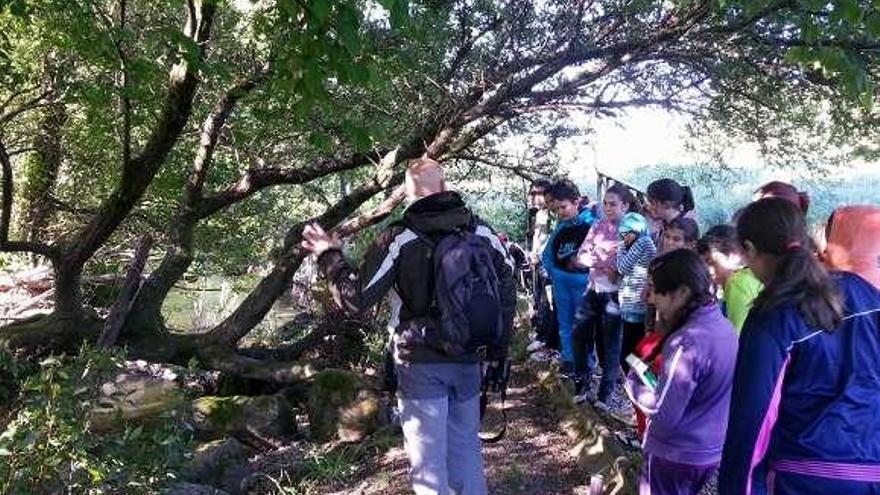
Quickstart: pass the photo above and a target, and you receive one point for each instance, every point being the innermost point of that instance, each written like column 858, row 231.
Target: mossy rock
column 268, row 415
column 340, row 405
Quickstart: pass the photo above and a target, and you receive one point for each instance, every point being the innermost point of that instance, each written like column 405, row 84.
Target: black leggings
column 632, row 334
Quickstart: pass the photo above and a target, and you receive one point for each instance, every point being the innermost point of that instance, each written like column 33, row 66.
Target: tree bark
column 68, row 293
column 122, row 306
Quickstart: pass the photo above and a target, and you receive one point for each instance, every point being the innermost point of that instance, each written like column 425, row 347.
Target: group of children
column 754, row 348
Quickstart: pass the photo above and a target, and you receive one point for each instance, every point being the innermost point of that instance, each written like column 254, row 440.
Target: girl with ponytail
column 807, row 386
column 687, row 408
column 667, row 201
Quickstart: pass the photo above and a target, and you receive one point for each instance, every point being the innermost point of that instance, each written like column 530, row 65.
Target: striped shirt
column 633, row 264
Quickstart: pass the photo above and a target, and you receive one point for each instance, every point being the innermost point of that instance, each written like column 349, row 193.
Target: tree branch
column 372, row 217
column 255, row 306
column 125, row 100
column 527, row 173
column 259, row 178
column 32, row 104
column 211, row 128
column 6, row 216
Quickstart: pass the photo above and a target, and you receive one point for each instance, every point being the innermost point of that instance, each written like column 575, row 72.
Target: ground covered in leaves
column 533, row 458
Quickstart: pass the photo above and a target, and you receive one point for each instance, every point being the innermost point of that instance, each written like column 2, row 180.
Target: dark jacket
column 805, row 394
column 399, row 259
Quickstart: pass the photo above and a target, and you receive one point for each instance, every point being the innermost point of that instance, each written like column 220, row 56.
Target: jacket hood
column 441, row 212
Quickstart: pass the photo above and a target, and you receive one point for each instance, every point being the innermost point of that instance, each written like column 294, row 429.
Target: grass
column 335, row 464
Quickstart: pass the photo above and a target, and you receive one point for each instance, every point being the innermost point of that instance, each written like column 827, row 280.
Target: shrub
column 47, row 447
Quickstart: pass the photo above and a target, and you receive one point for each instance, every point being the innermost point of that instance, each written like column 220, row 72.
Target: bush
column 47, row 446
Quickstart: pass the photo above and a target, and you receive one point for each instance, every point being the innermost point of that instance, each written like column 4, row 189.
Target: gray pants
column 440, row 434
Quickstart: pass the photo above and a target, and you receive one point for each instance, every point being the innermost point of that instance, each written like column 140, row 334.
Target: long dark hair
column 681, row 268
column 625, row 196
column 776, row 226
column 667, row 190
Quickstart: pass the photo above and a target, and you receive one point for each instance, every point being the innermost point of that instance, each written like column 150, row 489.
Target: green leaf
column 849, row 10
column 359, row 72
column 361, row 137
column 810, row 32
column 872, row 23
column 399, row 14
column 320, row 9
column 347, row 27
column 320, row 141
column 18, row 8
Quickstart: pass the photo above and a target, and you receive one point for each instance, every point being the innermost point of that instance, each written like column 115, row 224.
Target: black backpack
column 466, row 305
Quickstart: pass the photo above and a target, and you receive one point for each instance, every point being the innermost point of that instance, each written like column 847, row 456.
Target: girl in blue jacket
column 805, row 410
column 559, row 259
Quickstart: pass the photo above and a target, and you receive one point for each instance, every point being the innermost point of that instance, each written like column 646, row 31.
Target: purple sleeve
column 665, row 405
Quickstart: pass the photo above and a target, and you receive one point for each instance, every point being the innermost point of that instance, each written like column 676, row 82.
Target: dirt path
column 533, row 458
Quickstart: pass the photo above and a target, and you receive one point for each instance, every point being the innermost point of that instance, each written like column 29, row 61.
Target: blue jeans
column 567, row 299
column 601, row 329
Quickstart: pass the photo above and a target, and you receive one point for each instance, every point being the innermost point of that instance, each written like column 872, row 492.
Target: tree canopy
column 221, row 127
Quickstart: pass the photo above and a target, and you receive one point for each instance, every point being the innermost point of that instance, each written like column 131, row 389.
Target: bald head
column 424, row 177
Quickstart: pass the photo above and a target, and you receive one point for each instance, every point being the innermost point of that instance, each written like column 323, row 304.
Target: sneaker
column 536, row 345
column 621, row 411
column 583, row 392
column 544, row 356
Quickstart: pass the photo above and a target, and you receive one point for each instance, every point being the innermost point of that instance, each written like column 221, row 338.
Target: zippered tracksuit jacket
column 805, row 412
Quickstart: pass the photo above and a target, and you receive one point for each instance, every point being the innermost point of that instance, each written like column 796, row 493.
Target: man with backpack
column 458, row 295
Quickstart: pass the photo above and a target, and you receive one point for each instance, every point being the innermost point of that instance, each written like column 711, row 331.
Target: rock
column 194, row 489
column 133, row 396
column 221, row 463
column 341, row 406
column 265, row 415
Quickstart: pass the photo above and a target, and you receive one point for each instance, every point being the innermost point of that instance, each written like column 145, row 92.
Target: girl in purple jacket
column 687, row 408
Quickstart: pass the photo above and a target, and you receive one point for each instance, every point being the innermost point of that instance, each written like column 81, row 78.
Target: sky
column 648, row 136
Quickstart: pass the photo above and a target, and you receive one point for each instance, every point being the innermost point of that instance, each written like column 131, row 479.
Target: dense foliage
column 48, row 447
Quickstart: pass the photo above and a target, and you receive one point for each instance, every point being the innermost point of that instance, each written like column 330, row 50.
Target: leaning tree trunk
column 146, row 314
column 258, row 303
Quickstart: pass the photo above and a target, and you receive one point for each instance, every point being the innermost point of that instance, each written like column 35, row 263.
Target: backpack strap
column 432, row 280
column 495, row 379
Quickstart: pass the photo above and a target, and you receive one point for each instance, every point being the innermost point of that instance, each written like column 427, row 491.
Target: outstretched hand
column 316, row 240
